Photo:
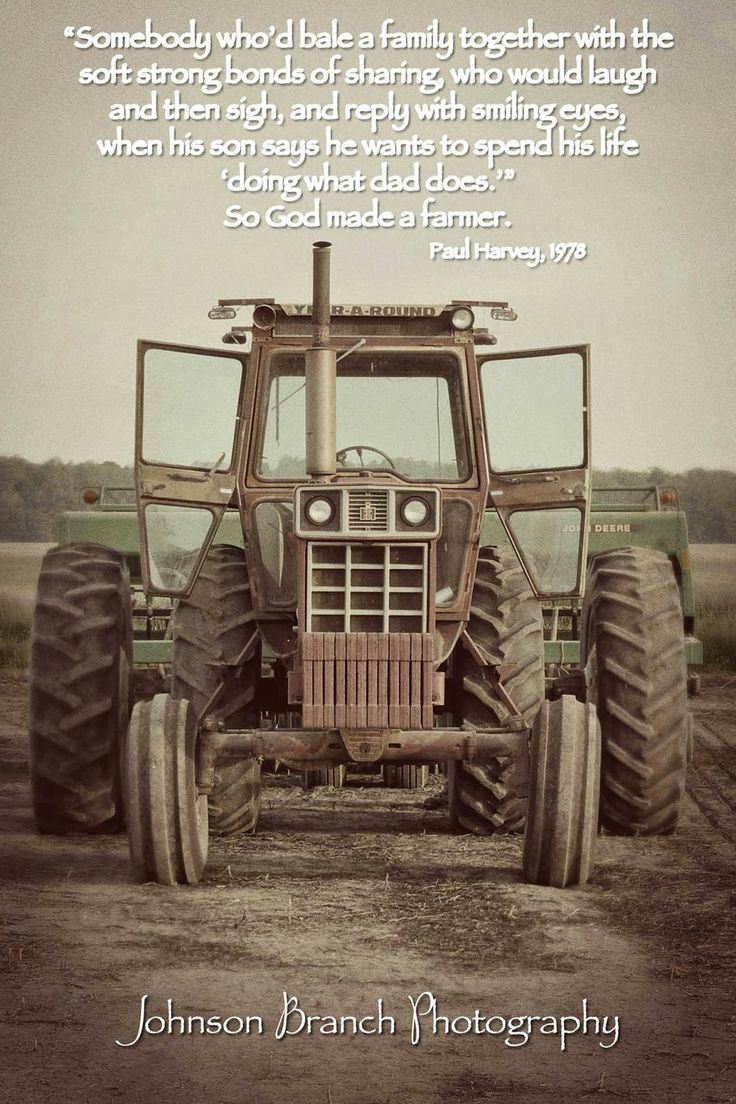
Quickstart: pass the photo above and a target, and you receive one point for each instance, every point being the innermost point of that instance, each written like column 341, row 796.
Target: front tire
column 211, row 630
column 634, row 652
column 167, row 818
column 506, row 650
column 81, row 653
column 561, row 829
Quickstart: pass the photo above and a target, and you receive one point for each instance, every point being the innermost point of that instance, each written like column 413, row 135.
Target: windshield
column 397, row 411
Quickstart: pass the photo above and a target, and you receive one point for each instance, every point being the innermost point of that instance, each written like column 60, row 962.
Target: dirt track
column 345, row 897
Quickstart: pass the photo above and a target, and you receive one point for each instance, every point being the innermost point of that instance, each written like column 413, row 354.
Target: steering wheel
column 360, row 449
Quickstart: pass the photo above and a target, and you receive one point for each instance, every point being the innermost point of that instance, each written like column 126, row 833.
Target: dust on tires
column 211, row 630
column 167, row 817
column 505, row 647
column 561, row 829
column 634, row 649
column 81, row 652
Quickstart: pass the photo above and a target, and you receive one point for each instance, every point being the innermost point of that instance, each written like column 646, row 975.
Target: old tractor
column 361, row 618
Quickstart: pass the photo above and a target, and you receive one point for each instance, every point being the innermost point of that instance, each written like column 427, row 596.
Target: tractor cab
column 362, row 424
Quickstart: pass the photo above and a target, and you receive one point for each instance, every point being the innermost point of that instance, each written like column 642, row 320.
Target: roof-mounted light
column 463, row 318
column 264, row 316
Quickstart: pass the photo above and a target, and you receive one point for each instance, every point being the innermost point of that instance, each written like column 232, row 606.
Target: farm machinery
column 641, row 516
column 362, row 523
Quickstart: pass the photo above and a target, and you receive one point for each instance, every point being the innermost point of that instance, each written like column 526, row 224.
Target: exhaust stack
column 320, row 373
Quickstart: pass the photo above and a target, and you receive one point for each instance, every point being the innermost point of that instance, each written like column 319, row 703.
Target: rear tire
column 634, row 651
column 81, row 653
column 506, row 628
column 561, row 829
column 167, row 818
column 210, row 631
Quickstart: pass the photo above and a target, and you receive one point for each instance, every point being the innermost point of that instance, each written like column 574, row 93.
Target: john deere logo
column 368, row 512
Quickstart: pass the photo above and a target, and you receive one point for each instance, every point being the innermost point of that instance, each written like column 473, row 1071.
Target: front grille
column 368, row 511
column 367, row 588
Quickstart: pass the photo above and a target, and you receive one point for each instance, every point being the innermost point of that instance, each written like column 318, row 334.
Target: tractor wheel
column 506, row 631
column 81, row 653
column 167, row 818
column 562, row 824
column 325, row 776
column 405, row 776
column 634, row 652
column 210, row 631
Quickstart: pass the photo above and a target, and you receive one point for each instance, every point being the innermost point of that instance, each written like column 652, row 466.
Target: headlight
column 415, row 511
column 320, row 511
column 463, row 318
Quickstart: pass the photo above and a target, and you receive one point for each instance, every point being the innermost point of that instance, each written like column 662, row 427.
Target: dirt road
column 347, row 898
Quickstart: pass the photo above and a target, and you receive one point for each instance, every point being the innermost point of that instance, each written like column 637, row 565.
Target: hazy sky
column 101, row 251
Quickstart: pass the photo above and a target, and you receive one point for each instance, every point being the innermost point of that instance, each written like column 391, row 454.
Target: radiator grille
column 374, row 588
column 368, row 511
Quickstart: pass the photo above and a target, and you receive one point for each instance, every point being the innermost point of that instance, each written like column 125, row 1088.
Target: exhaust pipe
column 320, row 373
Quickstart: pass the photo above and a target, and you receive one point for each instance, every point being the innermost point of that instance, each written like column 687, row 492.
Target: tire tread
column 81, row 625
column 633, row 618
column 506, row 627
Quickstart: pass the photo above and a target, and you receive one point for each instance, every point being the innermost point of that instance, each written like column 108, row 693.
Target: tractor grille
column 366, row 588
column 368, row 511
column 367, row 680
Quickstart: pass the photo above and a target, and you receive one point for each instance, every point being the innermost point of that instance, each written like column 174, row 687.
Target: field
column 19, row 567
column 714, row 567
column 345, row 898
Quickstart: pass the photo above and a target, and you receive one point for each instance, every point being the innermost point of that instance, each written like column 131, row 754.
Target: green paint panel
column 562, row 651
column 115, row 529
column 151, row 651
column 665, row 530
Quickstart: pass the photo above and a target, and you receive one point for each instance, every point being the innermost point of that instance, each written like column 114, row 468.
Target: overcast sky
column 102, row 251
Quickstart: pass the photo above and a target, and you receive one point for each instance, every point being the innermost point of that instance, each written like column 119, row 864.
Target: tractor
column 361, row 618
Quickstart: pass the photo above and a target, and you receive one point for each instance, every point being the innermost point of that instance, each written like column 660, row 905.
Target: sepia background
column 347, row 897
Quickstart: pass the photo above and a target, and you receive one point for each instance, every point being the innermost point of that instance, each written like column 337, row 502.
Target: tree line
column 33, row 496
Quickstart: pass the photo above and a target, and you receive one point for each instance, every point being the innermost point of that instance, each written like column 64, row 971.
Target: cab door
column 537, row 430
column 188, row 448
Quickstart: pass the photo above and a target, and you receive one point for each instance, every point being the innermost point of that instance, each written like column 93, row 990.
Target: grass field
column 714, row 567
column 19, row 567
column 714, row 570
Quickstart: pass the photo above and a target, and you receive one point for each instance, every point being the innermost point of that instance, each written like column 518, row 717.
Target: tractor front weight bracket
column 299, row 746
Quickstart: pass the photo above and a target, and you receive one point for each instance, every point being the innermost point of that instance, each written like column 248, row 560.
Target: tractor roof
column 414, row 319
